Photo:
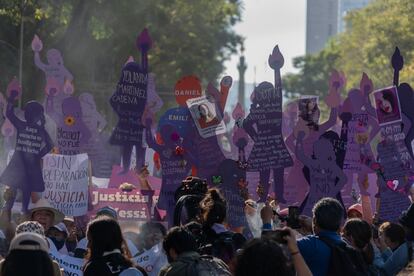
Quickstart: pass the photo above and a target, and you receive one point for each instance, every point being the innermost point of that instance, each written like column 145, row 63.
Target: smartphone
column 293, row 217
column 276, row 235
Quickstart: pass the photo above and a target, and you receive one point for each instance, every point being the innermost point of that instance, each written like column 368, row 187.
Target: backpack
column 207, row 266
column 345, row 260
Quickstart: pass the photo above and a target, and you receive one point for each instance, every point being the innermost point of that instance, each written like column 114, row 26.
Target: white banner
column 70, row 265
column 66, row 182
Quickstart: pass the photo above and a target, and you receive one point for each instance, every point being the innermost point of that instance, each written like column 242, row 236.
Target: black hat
column 407, row 217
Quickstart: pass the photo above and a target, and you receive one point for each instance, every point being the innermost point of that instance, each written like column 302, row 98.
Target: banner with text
column 66, row 182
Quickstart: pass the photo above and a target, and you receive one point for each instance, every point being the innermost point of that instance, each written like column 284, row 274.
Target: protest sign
column 152, row 260
column 70, row 265
column 387, row 106
column 133, row 205
column 66, row 180
column 207, row 119
column 187, row 87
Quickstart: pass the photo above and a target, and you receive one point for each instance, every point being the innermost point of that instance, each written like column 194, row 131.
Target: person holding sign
column 33, row 142
column 264, row 126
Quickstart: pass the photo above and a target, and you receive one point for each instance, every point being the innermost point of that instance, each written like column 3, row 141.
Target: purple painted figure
column 33, row 142
column 362, row 128
column 397, row 167
column 174, row 165
column 264, row 126
column 53, row 69
column 323, row 172
column 129, row 102
column 72, row 133
column 295, row 177
column 206, row 151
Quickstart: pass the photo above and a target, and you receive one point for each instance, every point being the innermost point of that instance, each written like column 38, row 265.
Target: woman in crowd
column 28, row 256
column 358, row 234
column 218, row 240
column 107, row 254
column 394, row 251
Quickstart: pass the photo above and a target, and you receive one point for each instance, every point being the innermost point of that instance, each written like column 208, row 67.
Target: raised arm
column 330, row 122
column 101, row 121
column 38, row 62
column 16, row 122
column 276, row 62
column 150, row 138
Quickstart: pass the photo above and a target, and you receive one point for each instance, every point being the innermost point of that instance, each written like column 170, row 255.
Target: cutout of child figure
column 32, row 143
column 323, row 172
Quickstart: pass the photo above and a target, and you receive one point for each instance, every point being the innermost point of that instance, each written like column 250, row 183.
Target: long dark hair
column 262, row 257
column 214, row 208
column 35, row 262
column 361, row 233
column 104, row 234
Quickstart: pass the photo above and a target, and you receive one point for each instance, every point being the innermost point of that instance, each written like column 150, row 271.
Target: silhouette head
column 71, row 106
column 54, row 57
column 354, row 101
column 169, row 135
column 323, row 150
column 264, row 93
column 34, row 113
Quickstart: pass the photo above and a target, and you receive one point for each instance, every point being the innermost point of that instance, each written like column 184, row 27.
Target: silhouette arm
column 38, row 62
column 331, row 121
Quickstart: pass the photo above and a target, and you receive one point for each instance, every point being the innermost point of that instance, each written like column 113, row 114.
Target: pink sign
column 135, row 205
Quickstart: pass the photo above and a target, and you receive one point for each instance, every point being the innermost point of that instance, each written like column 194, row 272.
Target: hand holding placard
column 13, row 90
column 335, row 83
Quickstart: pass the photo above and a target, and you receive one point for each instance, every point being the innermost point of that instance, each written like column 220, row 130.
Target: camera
column 292, row 219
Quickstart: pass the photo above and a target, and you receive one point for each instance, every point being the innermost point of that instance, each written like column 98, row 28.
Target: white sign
column 206, row 115
column 66, row 182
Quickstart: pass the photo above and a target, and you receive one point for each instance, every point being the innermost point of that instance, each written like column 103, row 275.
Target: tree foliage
column 366, row 46
column 97, row 36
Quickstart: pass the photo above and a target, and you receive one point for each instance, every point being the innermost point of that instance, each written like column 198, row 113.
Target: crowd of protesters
column 324, row 244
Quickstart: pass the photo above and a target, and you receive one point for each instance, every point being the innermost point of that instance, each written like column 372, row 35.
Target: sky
column 265, row 24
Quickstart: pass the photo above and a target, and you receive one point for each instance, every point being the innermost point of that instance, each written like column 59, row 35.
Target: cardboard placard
column 206, row 116
column 129, row 102
column 135, row 205
column 66, row 180
column 387, row 106
column 186, row 88
column 72, row 133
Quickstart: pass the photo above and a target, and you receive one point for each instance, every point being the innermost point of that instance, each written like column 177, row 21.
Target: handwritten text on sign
column 66, row 182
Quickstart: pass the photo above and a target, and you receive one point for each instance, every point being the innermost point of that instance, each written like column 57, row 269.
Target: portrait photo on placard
column 387, row 106
column 309, row 110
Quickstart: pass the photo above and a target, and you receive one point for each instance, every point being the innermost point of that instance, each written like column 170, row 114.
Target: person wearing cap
column 361, row 210
column 28, row 256
column 45, row 214
column 36, row 228
column 58, row 234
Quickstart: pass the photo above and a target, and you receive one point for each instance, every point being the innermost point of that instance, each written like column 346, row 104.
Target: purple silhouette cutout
column 269, row 151
column 53, row 69
column 72, row 133
column 206, row 151
column 326, row 177
column 362, row 128
column 33, row 142
column 295, row 177
column 174, row 165
column 396, row 167
column 129, row 102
